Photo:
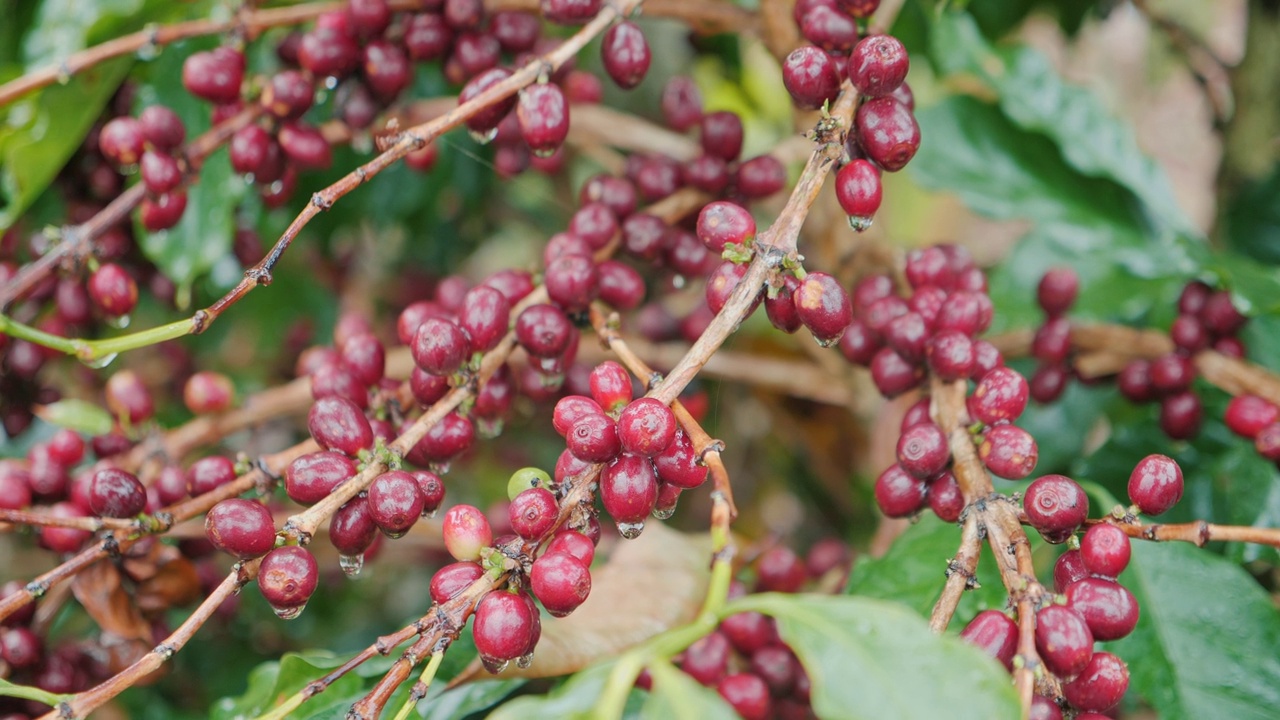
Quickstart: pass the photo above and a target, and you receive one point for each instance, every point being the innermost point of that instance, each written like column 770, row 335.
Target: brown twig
column 961, row 574
column 1197, row 533
column 92, row 524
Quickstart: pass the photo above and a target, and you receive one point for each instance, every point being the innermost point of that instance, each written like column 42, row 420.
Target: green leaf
column 27, row 692
column 39, row 133
column 678, row 696
column 79, row 415
column 272, row 682
column 464, row 700
column 1206, row 639
column 575, row 698
column 913, row 572
column 869, row 659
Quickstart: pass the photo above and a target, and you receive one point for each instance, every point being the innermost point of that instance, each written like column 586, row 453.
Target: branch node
column 165, row 650
column 715, row 446
column 320, row 201
column 259, row 275
column 111, row 546
column 1203, row 533
column 66, row 711
column 200, row 321
column 37, row 588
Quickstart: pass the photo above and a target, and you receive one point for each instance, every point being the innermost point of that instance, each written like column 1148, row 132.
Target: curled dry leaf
column 616, row 617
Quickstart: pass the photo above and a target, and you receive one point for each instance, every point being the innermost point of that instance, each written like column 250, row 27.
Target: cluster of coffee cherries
column 1257, row 419
column 1089, row 604
column 1207, row 319
column 744, row 659
column 1051, row 345
column 885, row 135
column 30, row 661
column 151, row 144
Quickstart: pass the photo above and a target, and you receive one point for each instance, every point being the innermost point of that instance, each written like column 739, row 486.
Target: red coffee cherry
column 241, row 528
column 594, row 438
column 679, row 464
column 209, row 473
column 310, row 478
column 453, row 579
column 572, row 282
column 287, row 578
column 626, row 55
column 484, row 317
column 779, row 569
column 439, row 346
column 466, row 532
column 1108, row 607
column 1000, row 396
column 878, row 65
column 1181, row 415
column 994, row 633
column 898, row 493
column 352, row 531
column 681, row 103
column 721, row 223
column 923, row 450
column 339, row 424
column 112, row 290
column 892, row 374
column 610, row 386
column 1009, row 451
column 395, row 502
column 1105, row 550
column 1100, row 686
column 1056, row 507
column 747, row 694
column 1063, row 640
column 859, row 192
column 823, row 307
column 570, row 12
column 533, row 513
column 945, row 498
column 543, row 114
column 214, row 75
column 502, row 629
column 561, row 582
column 62, row 539
column 1246, row 415
column 646, row 427
column 305, row 146
column 160, row 172
column 114, row 493
column 208, row 392
column 121, row 141
column 629, row 492
column 888, row 133
column 1156, row 484
column 1068, row 568
column 487, row 119
column 722, row 134
column 595, row 223
column 707, row 659
column 288, row 95
column 760, row 177
column 127, row 397
column 811, row 76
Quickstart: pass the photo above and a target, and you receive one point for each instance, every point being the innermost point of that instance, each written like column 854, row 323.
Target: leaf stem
column 420, row 688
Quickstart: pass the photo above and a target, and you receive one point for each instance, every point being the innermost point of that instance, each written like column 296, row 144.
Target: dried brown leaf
column 99, row 589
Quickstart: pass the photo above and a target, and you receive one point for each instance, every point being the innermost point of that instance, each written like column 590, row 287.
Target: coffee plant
column 358, row 354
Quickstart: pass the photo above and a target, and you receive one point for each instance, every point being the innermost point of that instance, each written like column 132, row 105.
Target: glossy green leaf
column 913, row 572
column 83, row 417
column 1205, row 645
column 465, row 700
column 576, row 698
column 272, row 682
column 678, row 696
column 870, row 660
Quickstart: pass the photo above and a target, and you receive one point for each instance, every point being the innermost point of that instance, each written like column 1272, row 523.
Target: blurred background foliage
column 1054, row 133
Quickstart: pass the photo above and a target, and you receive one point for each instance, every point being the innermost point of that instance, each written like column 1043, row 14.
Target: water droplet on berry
column 288, row 613
column 524, row 661
column 859, row 224
column 119, row 322
column 351, row 564
column 488, row 428
column 631, row 530
column 99, row 363
column 330, row 82
column 494, row 666
column 439, row 468
column 663, row 513
column 484, row 138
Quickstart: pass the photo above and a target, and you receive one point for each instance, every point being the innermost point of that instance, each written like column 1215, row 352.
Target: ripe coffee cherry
column 1108, row 607
column 1009, row 451
column 447, row 439
column 721, row 223
column 310, row 478
column 517, row 32
column 595, row 223
column 543, row 114
column 1057, row 291
column 945, row 498
column 570, row 409
column 466, row 532
column 533, row 513
column 66, row 448
column 288, row 95
column 287, row 578
column 950, row 355
column 121, row 141
column 1246, row 415
column 1100, row 686
column 251, row 151
column 629, row 491
column 114, row 493
column 1181, row 415
column 829, row 28
column 681, row 103
column 208, row 392
column 502, row 628
column 1001, row 396
column 779, row 569
column 327, row 52
column 594, row 438
column 859, row 191
column 369, row 17
column 610, row 386
column 160, row 172
column 20, row 648
column 811, row 76
column 439, row 346
column 386, row 69
column 923, row 451
column 1134, row 381
column 778, row 667
column 646, row 427
column 543, row 331
column 242, row 528
column 570, row 12
column 61, row 539
column 1063, row 640
column 162, row 211
column 1189, row 334
column 127, row 397
column 722, row 134
column 352, row 530
column 723, row 281
column 432, row 488
column 626, row 55
column 908, row 335
column 707, row 659
column 992, row 632
column 453, row 579
column 1171, row 373
column 1052, row 341
column 484, row 317
column 1049, row 382
column 305, row 146
column 892, row 374
column 985, row 359
column 335, row 380
column 572, row 282
column 572, row 543
column 823, row 307
column 1155, row 485
column 561, row 581
column 209, row 473
column 620, row 286
column 1105, row 550
column 859, row 344
column 338, row 424
column 679, row 465
column 747, row 694
column 878, row 309
column 112, row 290
column 1056, row 506
column 878, row 65
column 888, row 133
column 214, row 75
column 1220, row 316
column 487, row 119
column 1068, row 568
column 395, row 502
column 760, row 177
column 898, row 493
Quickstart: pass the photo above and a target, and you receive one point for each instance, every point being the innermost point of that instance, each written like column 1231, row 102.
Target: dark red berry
column 747, row 694
column 160, row 172
column 595, row 223
column 1052, row 341
column 950, row 355
column 1105, row 550
column 968, row 311
column 646, row 427
column 760, row 177
column 533, row 513
column 859, row 192
column 488, row 118
column 561, row 581
column 723, row 281
column 162, row 128
column 626, row 55
column 1068, row 568
column 453, row 579
column 1181, row 415
column 517, row 32
column 287, row 578
column 721, row 223
column 1099, row 687
column 339, row 424
column 829, row 28
column 620, row 286
column 1134, row 381
column 572, row 282
column 923, row 450
column 1171, row 373
column 1048, row 382
column 214, row 75
column 629, row 491
column 945, row 498
column 570, row 12
column 679, row 465
column 543, row 331
column 115, row 493
column 1220, row 316
column 1009, row 451
column 352, row 530
column 858, row 344
column 335, row 380
column 878, row 65
column 888, row 133
column 209, row 473
column 62, row 539
column 1246, row 415
column 112, row 290
column 122, row 141
column 426, row 36
column 610, row 386
column 1056, row 506
column 898, row 493
column 892, row 374
column 811, row 76
column 439, row 346
column 288, row 95
column 986, row 357
column 722, row 134
column 543, row 113
column 777, row 666
column 242, row 528
column 1000, row 396
column 995, row 634
column 779, row 569
column 1042, row 708
column 502, row 628
column 310, row 478
column 1063, row 640
column 327, row 52
column 749, row 631
column 251, row 151
column 1057, row 291
column 447, row 439
column 707, row 659
column 1107, row 606
column 1188, row 334
column 21, row 648
column 484, row 317
column 395, row 502
column 208, row 392
column 823, row 307
column 908, row 335
column 1155, row 485
column 305, row 146
column 466, row 532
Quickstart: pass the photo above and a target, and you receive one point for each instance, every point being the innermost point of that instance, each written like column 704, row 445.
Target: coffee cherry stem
column 421, row 687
